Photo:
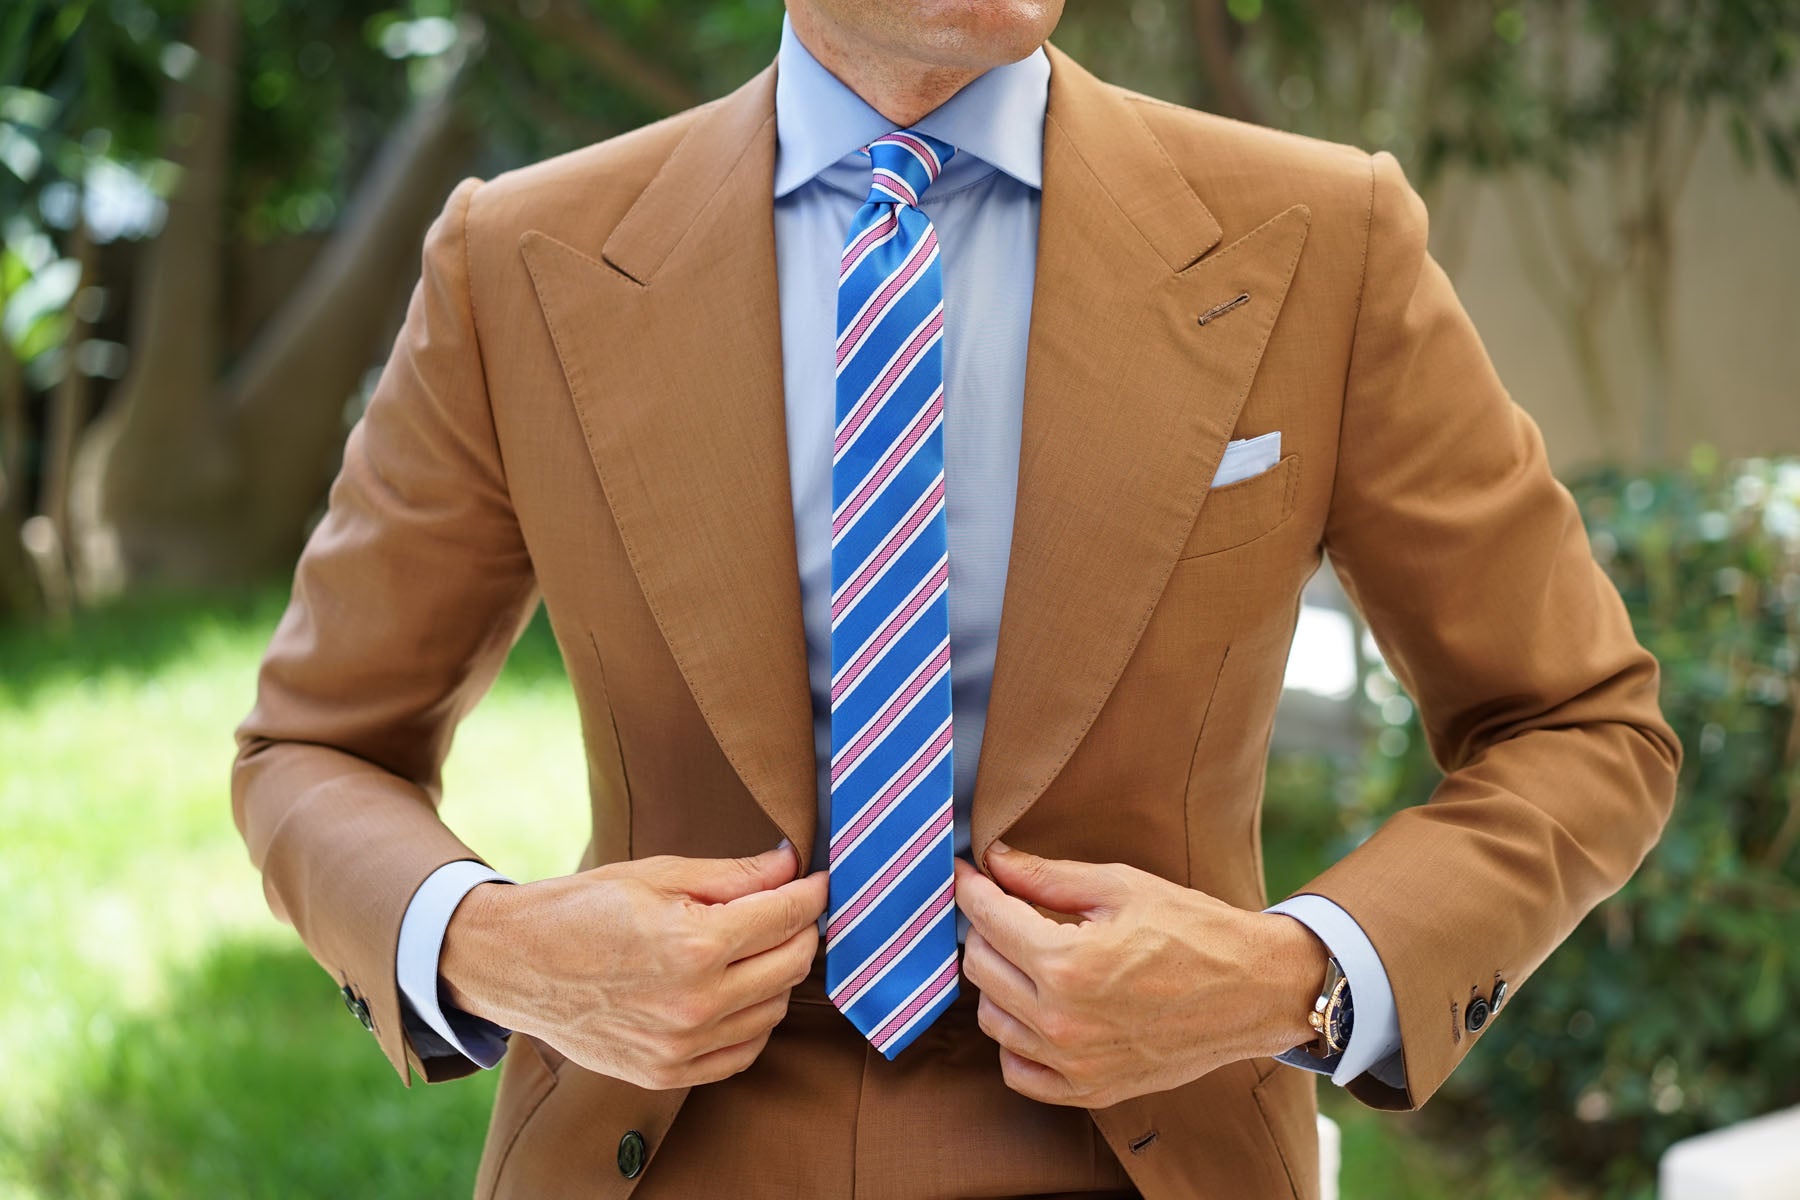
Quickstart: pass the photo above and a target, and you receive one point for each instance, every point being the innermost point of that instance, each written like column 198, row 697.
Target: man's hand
column 665, row 972
column 1158, row 985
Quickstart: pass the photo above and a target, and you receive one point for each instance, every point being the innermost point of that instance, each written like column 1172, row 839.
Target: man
column 889, row 547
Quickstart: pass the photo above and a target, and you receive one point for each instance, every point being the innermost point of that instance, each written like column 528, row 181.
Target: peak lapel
column 671, row 347
column 1128, row 405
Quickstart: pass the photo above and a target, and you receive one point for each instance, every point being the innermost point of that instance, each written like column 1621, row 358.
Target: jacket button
column 1477, row 1015
column 631, row 1154
column 358, row 1008
column 1499, row 997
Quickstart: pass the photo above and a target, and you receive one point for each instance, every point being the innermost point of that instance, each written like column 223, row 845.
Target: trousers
column 822, row 1114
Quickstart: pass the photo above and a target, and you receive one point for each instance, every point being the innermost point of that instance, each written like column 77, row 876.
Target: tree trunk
column 152, row 475
column 288, row 395
column 19, row 595
column 66, row 418
column 1670, row 145
column 1212, row 45
column 195, row 481
column 578, row 27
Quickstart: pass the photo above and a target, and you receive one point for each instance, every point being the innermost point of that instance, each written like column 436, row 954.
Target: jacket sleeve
column 406, row 600
column 1471, row 565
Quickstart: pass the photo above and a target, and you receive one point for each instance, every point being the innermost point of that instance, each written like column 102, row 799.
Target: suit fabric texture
column 584, row 406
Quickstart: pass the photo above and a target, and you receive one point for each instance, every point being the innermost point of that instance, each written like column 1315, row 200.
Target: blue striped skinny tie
column 890, row 959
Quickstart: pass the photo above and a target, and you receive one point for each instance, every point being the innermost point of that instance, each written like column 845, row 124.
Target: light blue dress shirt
column 985, row 209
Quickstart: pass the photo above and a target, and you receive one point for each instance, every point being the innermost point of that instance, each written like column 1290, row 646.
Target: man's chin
column 958, row 34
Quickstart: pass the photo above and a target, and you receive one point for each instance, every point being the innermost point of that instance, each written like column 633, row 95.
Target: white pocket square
column 1247, row 457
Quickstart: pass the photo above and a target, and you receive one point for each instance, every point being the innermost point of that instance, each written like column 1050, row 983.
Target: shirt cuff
column 440, row 1029
column 1374, row 1044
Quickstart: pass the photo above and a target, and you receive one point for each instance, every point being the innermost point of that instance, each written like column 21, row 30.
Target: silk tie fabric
column 890, row 958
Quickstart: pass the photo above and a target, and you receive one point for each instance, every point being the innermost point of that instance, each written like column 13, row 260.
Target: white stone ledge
column 1757, row 1159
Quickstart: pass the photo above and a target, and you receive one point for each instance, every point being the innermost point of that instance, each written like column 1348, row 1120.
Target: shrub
column 1666, row 1011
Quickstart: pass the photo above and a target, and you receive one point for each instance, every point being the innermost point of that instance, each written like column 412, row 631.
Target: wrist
column 1298, row 964
column 469, row 960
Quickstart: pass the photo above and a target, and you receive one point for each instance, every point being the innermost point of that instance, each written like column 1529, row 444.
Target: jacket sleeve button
column 631, row 1154
column 358, row 1007
column 1499, row 996
column 1477, row 1014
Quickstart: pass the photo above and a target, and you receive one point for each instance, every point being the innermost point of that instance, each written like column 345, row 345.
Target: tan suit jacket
column 585, row 404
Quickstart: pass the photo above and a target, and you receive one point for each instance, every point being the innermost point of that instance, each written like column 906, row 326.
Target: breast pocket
column 1244, row 511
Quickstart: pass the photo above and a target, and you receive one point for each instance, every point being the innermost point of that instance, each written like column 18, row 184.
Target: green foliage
column 1546, row 101
column 1542, row 83
column 318, row 85
column 1667, row 1012
column 76, row 84
column 536, row 90
column 316, row 91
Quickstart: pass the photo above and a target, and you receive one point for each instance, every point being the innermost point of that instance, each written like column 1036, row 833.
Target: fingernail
column 998, row 847
column 784, row 844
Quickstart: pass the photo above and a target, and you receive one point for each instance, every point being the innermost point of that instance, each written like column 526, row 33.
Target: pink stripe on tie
column 898, row 185
column 921, row 512
column 895, row 789
column 918, row 683
column 922, row 1001
column 870, row 236
column 873, row 890
column 924, row 594
column 915, row 347
column 924, row 153
column 848, row 992
column 896, row 283
column 907, row 441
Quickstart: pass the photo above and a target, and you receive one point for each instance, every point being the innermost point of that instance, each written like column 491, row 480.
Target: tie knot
column 904, row 164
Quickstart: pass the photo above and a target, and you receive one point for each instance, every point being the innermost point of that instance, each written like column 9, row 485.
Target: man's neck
column 900, row 89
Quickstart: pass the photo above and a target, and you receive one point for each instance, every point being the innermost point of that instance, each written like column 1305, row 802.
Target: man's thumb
column 1060, row 884
column 718, row 880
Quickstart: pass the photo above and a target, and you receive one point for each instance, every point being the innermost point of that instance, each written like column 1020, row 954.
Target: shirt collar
column 997, row 117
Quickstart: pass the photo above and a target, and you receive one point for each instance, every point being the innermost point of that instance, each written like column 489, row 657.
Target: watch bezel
column 1332, row 1014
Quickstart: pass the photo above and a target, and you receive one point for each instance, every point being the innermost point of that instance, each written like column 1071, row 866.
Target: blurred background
column 212, row 212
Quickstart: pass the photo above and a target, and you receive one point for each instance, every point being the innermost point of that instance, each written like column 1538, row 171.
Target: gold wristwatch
column 1331, row 1015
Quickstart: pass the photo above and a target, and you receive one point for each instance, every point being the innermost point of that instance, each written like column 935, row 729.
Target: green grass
column 165, row 1036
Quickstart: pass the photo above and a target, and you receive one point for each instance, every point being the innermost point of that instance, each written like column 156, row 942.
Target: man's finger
column 1034, row 1080
column 753, row 923
column 756, row 976
column 1010, row 1032
column 1014, row 928
column 1061, row 884
column 725, row 1061
column 749, row 1022
column 985, row 968
column 719, row 880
